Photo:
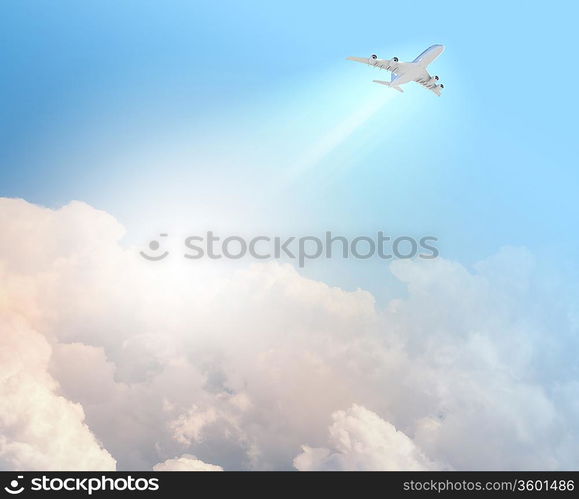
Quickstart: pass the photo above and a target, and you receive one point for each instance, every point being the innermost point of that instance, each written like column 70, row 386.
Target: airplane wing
column 397, row 67
column 429, row 82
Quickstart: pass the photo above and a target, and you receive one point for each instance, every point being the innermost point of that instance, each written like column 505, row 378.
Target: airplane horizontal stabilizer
column 388, row 84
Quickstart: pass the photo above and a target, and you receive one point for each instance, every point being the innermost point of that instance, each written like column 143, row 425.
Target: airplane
column 405, row 72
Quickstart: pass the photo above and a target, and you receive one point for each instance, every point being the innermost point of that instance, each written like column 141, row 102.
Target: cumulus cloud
column 39, row 429
column 473, row 368
column 186, row 463
column 362, row 441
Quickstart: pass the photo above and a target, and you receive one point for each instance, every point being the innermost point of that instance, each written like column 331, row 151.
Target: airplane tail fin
column 389, row 84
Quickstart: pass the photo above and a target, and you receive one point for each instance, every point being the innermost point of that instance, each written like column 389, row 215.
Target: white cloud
column 241, row 368
column 361, row 440
column 186, row 463
column 39, row 429
column 189, row 425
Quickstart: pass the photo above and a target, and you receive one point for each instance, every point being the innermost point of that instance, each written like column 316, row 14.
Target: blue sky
column 246, row 117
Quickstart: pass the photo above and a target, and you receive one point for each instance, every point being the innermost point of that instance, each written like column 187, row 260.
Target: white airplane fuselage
column 409, row 74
